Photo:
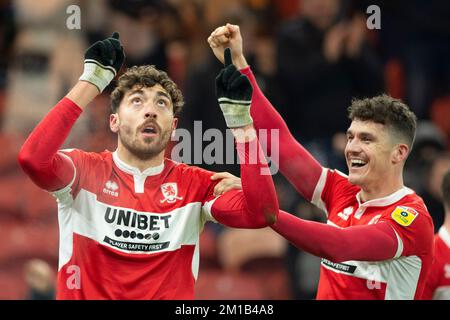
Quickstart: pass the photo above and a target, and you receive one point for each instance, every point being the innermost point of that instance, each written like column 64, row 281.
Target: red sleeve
column 333, row 190
column 417, row 237
column 256, row 206
column 294, row 162
column 375, row 242
column 38, row 156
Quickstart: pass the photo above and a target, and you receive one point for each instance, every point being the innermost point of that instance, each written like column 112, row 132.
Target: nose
column 150, row 112
column 150, row 115
column 353, row 146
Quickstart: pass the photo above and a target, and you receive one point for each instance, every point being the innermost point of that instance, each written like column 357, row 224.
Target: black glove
column 102, row 61
column 234, row 93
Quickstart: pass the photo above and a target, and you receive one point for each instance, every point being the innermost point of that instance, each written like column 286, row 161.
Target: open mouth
column 357, row 163
column 149, row 130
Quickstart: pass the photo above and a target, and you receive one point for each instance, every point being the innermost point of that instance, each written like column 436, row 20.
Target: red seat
column 24, row 241
column 10, row 146
column 208, row 249
column 37, row 204
column 11, row 197
column 217, row 285
column 12, row 284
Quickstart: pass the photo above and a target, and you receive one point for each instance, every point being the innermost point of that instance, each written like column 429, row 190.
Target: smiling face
column 378, row 142
column 144, row 121
column 371, row 154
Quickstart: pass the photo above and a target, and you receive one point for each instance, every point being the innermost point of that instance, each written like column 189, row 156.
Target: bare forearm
column 83, row 93
column 240, row 62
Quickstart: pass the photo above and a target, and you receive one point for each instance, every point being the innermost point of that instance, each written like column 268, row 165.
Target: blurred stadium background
column 310, row 56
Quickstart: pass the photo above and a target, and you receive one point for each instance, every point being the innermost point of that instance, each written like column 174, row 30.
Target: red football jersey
column 438, row 282
column 126, row 234
column 403, row 276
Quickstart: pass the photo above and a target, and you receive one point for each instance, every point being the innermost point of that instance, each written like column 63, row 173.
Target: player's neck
column 380, row 190
column 130, row 159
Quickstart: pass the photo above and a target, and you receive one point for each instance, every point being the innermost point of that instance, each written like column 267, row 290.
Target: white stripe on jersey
column 399, row 252
column 317, row 194
column 88, row 217
column 444, row 235
column 64, row 200
column 401, row 275
column 388, row 271
column 206, row 209
column 442, row 293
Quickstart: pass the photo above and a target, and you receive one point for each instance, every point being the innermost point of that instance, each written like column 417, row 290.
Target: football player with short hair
column 130, row 219
column 378, row 240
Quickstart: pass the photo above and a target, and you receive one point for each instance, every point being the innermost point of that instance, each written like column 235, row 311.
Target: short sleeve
column 86, row 165
column 331, row 189
column 414, row 228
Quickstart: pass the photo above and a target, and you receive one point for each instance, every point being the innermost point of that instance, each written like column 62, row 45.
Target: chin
column 354, row 179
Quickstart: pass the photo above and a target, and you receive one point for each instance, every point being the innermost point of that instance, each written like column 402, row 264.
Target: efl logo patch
column 404, row 216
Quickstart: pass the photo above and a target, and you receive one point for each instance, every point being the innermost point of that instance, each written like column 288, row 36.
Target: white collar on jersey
column 152, row 171
column 444, row 235
column 385, row 201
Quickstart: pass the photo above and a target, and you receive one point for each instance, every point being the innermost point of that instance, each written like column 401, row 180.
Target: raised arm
column 295, row 163
column 256, row 205
column 39, row 156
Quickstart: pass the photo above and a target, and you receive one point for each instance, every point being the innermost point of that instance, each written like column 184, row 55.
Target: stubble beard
column 147, row 148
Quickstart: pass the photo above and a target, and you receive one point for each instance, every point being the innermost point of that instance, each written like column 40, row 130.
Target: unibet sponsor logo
column 146, row 224
column 133, row 219
column 404, row 216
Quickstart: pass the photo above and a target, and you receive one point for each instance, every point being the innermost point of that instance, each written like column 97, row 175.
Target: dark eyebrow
column 367, row 135
column 163, row 94
column 136, row 91
column 361, row 134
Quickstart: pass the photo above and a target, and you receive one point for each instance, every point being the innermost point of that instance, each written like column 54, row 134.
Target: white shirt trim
column 138, row 175
column 317, row 194
column 444, row 235
column 152, row 171
column 381, row 202
column 399, row 252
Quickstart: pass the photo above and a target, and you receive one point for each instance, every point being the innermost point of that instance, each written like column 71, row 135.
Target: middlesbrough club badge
column 170, row 192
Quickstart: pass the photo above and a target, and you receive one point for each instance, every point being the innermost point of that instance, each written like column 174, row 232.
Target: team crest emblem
column 170, row 192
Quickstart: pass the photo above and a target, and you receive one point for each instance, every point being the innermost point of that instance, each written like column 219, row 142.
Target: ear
column 400, row 153
column 174, row 123
column 114, row 122
column 174, row 126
